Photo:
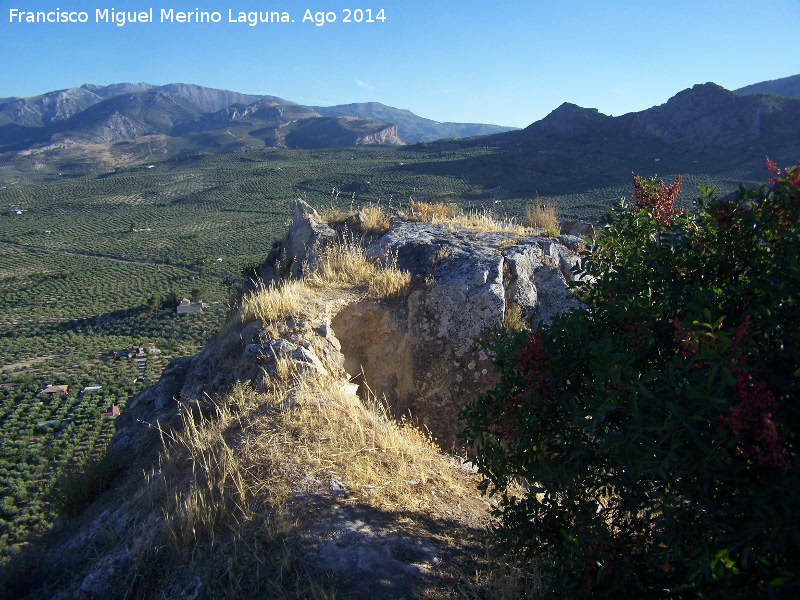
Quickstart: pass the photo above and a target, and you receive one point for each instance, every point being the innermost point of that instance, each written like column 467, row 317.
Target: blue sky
column 507, row 62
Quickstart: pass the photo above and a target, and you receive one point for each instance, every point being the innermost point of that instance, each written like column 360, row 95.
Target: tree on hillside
column 172, row 299
column 155, row 302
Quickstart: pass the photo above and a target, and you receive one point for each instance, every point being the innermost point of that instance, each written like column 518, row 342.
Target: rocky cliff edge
column 421, row 354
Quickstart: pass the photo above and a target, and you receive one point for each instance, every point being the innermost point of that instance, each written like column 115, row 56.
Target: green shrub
column 655, row 431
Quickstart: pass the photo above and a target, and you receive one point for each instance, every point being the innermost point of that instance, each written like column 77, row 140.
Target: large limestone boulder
column 426, row 356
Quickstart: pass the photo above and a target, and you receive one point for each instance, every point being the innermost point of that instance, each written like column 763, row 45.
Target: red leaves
column 656, row 198
column 750, row 414
column 791, row 174
column 750, row 420
column 783, row 210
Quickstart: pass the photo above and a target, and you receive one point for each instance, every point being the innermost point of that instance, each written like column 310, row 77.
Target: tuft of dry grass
column 334, row 213
column 432, row 213
column 271, row 303
column 450, row 214
column 383, row 462
column 486, row 221
column 510, row 242
column 373, row 220
column 346, row 264
column 390, row 282
column 542, row 216
column 341, row 265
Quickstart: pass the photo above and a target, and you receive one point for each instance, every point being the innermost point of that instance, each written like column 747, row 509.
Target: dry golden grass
column 334, row 213
column 430, row 213
column 542, row 216
column 449, row 214
column 390, row 282
column 485, row 221
column 385, row 463
column 346, row 264
column 374, row 220
column 510, row 242
column 341, row 265
column 271, row 303
column 216, row 474
column 219, row 476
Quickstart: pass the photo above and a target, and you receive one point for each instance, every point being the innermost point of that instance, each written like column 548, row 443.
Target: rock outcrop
column 387, row 135
column 577, row 228
column 423, row 354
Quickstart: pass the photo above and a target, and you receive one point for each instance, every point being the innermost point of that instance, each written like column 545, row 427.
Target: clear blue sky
column 506, row 61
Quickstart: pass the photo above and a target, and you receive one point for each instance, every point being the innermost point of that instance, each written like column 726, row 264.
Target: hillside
column 704, row 117
column 410, row 127
column 39, row 111
column 785, row 86
column 332, row 132
column 703, row 127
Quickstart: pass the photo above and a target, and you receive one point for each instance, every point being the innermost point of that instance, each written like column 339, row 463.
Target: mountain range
column 135, row 122
column 206, row 119
column 704, row 117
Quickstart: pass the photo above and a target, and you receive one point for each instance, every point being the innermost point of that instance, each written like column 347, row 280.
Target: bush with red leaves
column 656, row 431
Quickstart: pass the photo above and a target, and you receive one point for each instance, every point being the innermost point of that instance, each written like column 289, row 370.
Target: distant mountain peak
column 705, row 116
column 117, row 89
column 571, row 120
column 703, row 92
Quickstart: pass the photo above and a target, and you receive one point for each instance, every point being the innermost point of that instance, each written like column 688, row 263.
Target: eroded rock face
column 299, row 250
column 423, row 353
column 426, row 356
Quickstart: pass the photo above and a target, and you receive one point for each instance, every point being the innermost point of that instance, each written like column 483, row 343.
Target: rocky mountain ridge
column 77, row 117
column 58, row 117
column 410, row 127
column 704, row 117
column 705, row 129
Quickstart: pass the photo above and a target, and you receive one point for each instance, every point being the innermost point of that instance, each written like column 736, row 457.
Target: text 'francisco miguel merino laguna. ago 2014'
column 170, row 15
